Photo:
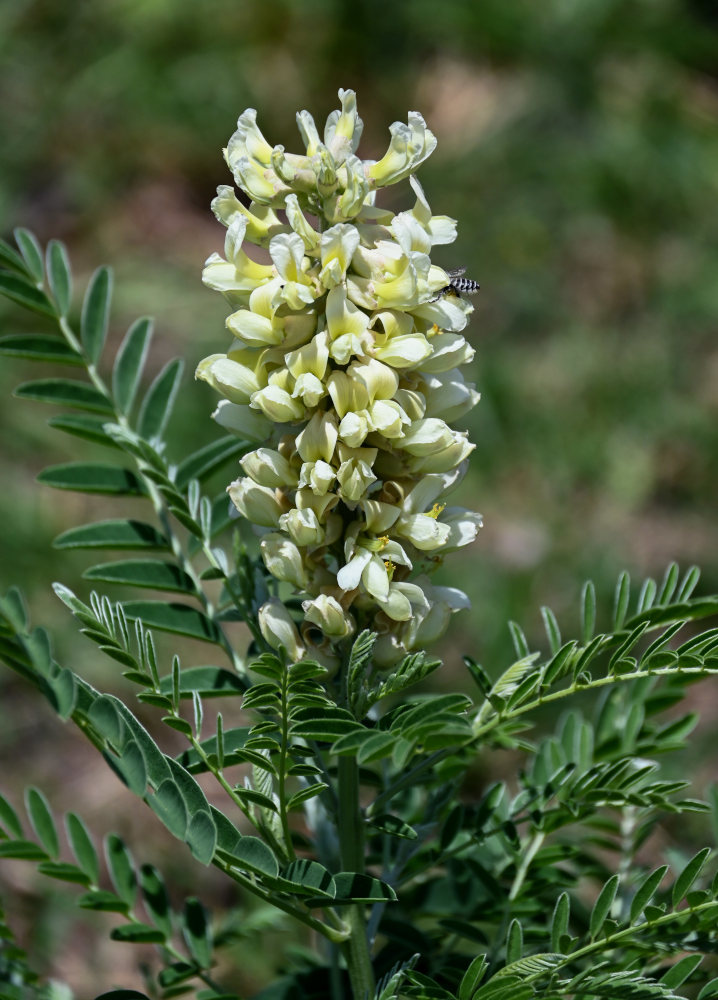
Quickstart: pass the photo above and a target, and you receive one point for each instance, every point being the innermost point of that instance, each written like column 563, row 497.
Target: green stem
column 529, row 853
column 283, row 761
column 630, row 933
column 351, row 845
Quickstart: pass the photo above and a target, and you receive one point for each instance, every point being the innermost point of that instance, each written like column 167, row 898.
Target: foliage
column 538, row 890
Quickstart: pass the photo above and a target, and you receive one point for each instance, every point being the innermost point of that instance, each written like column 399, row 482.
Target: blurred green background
column 578, row 148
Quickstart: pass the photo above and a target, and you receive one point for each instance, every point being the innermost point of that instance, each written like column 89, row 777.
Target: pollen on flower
column 345, row 368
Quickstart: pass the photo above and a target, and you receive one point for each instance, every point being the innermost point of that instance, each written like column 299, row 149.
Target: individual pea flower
column 345, row 369
column 410, row 145
column 238, row 275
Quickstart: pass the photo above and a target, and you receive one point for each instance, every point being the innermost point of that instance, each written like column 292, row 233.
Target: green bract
column 346, row 366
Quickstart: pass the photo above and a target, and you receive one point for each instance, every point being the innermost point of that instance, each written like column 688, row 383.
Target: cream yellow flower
column 345, row 368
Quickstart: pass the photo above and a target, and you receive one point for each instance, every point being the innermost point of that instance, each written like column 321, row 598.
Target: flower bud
column 353, row 428
column 319, row 476
column 254, row 328
column 262, row 222
column 427, row 436
column 309, row 389
column 388, row 418
column 338, row 246
column 318, row 438
column 355, row 473
column 277, row 405
column 235, row 382
column 448, row 350
column 257, row 503
column 404, row 352
column 379, row 516
column 279, row 630
column 283, row 559
column 268, row 468
column 448, row 396
column 447, row 458
column 327, row 614
column 302, row 526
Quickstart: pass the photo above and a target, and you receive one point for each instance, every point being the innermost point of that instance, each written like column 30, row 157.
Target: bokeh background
column 578, row 148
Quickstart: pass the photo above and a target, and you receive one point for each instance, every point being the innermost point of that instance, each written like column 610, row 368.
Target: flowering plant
column 330, row 788
column 347, row 358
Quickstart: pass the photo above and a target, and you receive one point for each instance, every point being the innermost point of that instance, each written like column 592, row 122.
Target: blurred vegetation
column 578, row 148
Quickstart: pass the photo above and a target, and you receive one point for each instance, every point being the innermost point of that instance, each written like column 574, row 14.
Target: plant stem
column 351, row 845
column 283, row 764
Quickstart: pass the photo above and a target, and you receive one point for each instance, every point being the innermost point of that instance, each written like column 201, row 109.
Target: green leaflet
column 202, row 836
column 197, row 932
column 9, row 257
column 82, row 426
column 65, row 392
column 121, row 869
column 42, row 822
column 123, row 995
column 114, row 534
column 130, row 362
column 158, row 402
column 82, row 846
column 26, row 294
column 9, row 820
column 102, row 900
column 39, row 347
column 179, row 618
column 92, row 477
column 393, row 825
column 309, row 877
column 689, row 874
column 137, row 933
column 153, row 573
column 64, row 872
column 59, row 275
column 155, row 898
column 602, row 906
column 168, row 804
column 31, row 252
column 252, row 854
column 130, row 767
column 25, row 850
column 96, row 313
